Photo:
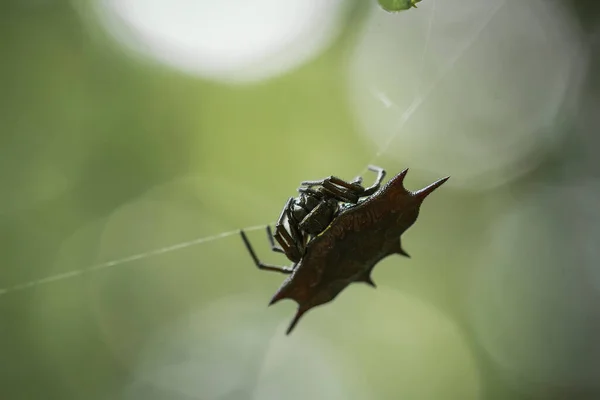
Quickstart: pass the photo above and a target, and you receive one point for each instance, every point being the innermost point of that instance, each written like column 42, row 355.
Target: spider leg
column 358, row 180
column 373, row 188
column 339, row 194
column 354, row 186
column 286, row 242
column 320, row 217
column 348, row 195
column 309, row 190
column 289, row 242
column 341, row 190
column 274, row 247
column 260, row 264
column 299, row 239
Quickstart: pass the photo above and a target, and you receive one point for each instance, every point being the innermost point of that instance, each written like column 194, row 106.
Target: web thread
column 417, row 102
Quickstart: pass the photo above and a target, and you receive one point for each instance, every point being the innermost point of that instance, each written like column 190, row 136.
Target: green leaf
column 397, row 5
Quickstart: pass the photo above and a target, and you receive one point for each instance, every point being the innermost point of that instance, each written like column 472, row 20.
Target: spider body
column 318, row 203
column 318, row 218
column 349, row 248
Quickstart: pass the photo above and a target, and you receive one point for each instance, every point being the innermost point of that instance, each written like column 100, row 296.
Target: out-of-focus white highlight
column 228, row 346
column 406, row 344
column 476, row 86
column 533, row 299
column 229, row 40
column 230, row 349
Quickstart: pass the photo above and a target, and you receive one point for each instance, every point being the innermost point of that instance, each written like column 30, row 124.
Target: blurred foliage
column 86, row 129
column 104, row 155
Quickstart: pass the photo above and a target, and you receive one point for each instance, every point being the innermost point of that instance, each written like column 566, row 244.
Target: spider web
column 420, row 97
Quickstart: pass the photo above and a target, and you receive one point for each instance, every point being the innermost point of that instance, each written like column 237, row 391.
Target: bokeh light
column 213, row 352
column 138, row 138
column 533, row 297
column 475, row 88
column 233, row 40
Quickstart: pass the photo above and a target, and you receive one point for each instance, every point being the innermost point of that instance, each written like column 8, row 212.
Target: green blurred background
column 107, row 153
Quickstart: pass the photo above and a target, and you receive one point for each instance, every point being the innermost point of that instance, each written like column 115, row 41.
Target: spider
column 361, row 231
column 319, row 202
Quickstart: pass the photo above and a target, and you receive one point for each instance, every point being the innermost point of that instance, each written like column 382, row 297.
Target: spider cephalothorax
column 347, row 250
column 307, row 215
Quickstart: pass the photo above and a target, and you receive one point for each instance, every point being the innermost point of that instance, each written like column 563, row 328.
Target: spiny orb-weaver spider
column 335, row 233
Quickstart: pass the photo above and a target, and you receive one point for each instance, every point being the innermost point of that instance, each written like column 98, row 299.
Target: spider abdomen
column 335, row 232
column 354, row 242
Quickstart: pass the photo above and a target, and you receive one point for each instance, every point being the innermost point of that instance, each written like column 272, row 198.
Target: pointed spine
column 426, row 191
column 396, row 184
column 282, row 293
column 297, row 317
column 401, row 251
column 367, row 279
column 400, row 177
